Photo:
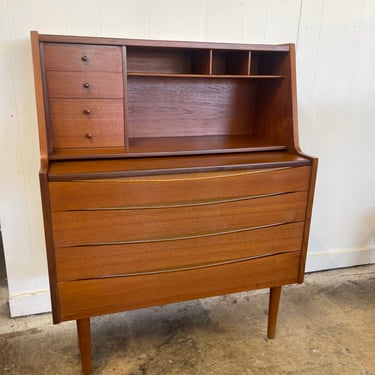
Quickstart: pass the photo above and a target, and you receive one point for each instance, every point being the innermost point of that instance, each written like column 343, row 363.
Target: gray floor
column 326, row 326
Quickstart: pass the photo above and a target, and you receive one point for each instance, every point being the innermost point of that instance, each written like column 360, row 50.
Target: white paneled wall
column 336, row 79
column 336, row 86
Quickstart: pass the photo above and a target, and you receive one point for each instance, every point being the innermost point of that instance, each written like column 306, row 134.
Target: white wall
column 336, row 79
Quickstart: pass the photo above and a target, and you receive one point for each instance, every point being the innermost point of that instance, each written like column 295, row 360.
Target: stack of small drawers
column 85, row 95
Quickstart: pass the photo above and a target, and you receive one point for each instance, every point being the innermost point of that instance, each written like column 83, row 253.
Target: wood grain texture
column 273, row 310
column 39, row 95
column 84, row 340
column 306, row 232
column 159, row 43
column 204, row 144
column 85, row 262
column 72, row 121
column 74, row 228
column 230, row 62
column 273, row 112
column 166, row 189
column 82, row 58
column 159, row 60
column 183, row 107
column 174, row 173
column 85, row 298
column 69, row 85
column 48, row 235
column 121, row 167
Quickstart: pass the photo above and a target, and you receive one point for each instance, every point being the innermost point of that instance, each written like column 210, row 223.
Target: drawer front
column 93, row 227
column 85, row 262
column 86, row 123
column 79, row 299
column 82, row 58
column 156, row 190
column 84, row 85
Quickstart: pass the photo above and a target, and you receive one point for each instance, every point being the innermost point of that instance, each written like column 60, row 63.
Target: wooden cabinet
column 170, row 171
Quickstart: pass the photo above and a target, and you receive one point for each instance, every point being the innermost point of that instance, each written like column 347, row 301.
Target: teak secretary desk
column 170, row 171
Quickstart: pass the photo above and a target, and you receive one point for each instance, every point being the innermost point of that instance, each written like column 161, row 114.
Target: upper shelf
column 207, row 63
column 161, row 146
column 185, row 75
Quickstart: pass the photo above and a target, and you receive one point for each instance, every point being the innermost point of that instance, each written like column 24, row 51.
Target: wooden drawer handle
column 86, row 111
column 84, row 58
column 86, row 85
column 89, row 135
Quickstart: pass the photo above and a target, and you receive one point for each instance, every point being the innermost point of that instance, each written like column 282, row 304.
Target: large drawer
column 93, row 227
column 85, row 262
column 86, row 122
column 84, row 298
column 81, row 58
column 84, row 85
column 164, row 189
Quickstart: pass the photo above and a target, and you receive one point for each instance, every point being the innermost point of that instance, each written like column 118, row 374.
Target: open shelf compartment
column 167, row 60
column 148, row 61
column 176, row 115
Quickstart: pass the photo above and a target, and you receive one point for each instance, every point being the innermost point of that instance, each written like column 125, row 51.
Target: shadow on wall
column 369, row 223
column 3, row 274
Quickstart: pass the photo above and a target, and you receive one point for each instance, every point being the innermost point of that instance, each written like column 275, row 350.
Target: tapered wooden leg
column 273, row 310
column 84, row 339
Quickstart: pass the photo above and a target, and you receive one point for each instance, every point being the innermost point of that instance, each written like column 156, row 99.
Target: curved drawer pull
column 84, row 58
column 180, row 204
column 188, row 268
column 183, row 237
column 184, row 177
column 86, row 85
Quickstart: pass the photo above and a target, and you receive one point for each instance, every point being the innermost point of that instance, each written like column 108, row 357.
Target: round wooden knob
column 88, row 135
column 84, row 58
column 86, row 111
column 86, row 85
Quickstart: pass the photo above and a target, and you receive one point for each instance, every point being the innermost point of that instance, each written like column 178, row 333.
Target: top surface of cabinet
column 101, row 97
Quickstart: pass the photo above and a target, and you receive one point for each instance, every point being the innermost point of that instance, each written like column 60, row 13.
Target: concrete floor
column 326, row 326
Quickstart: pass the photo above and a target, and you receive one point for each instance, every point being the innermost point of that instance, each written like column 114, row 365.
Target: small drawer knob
column 86, row 111
column 88, row 135
column 86, row 85
column 84, row 58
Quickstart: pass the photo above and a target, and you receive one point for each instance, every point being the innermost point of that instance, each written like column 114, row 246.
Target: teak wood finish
column 170, row 171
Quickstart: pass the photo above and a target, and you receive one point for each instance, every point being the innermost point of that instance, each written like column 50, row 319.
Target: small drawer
column 77, row 123
column 84, row 85
column 82, row 58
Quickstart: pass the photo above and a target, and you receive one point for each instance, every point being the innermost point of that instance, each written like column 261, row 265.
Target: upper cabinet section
column 100, row 97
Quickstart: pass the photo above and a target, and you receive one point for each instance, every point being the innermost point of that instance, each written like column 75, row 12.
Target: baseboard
column 29, row 303
column 332, row 259
column 39, row 302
